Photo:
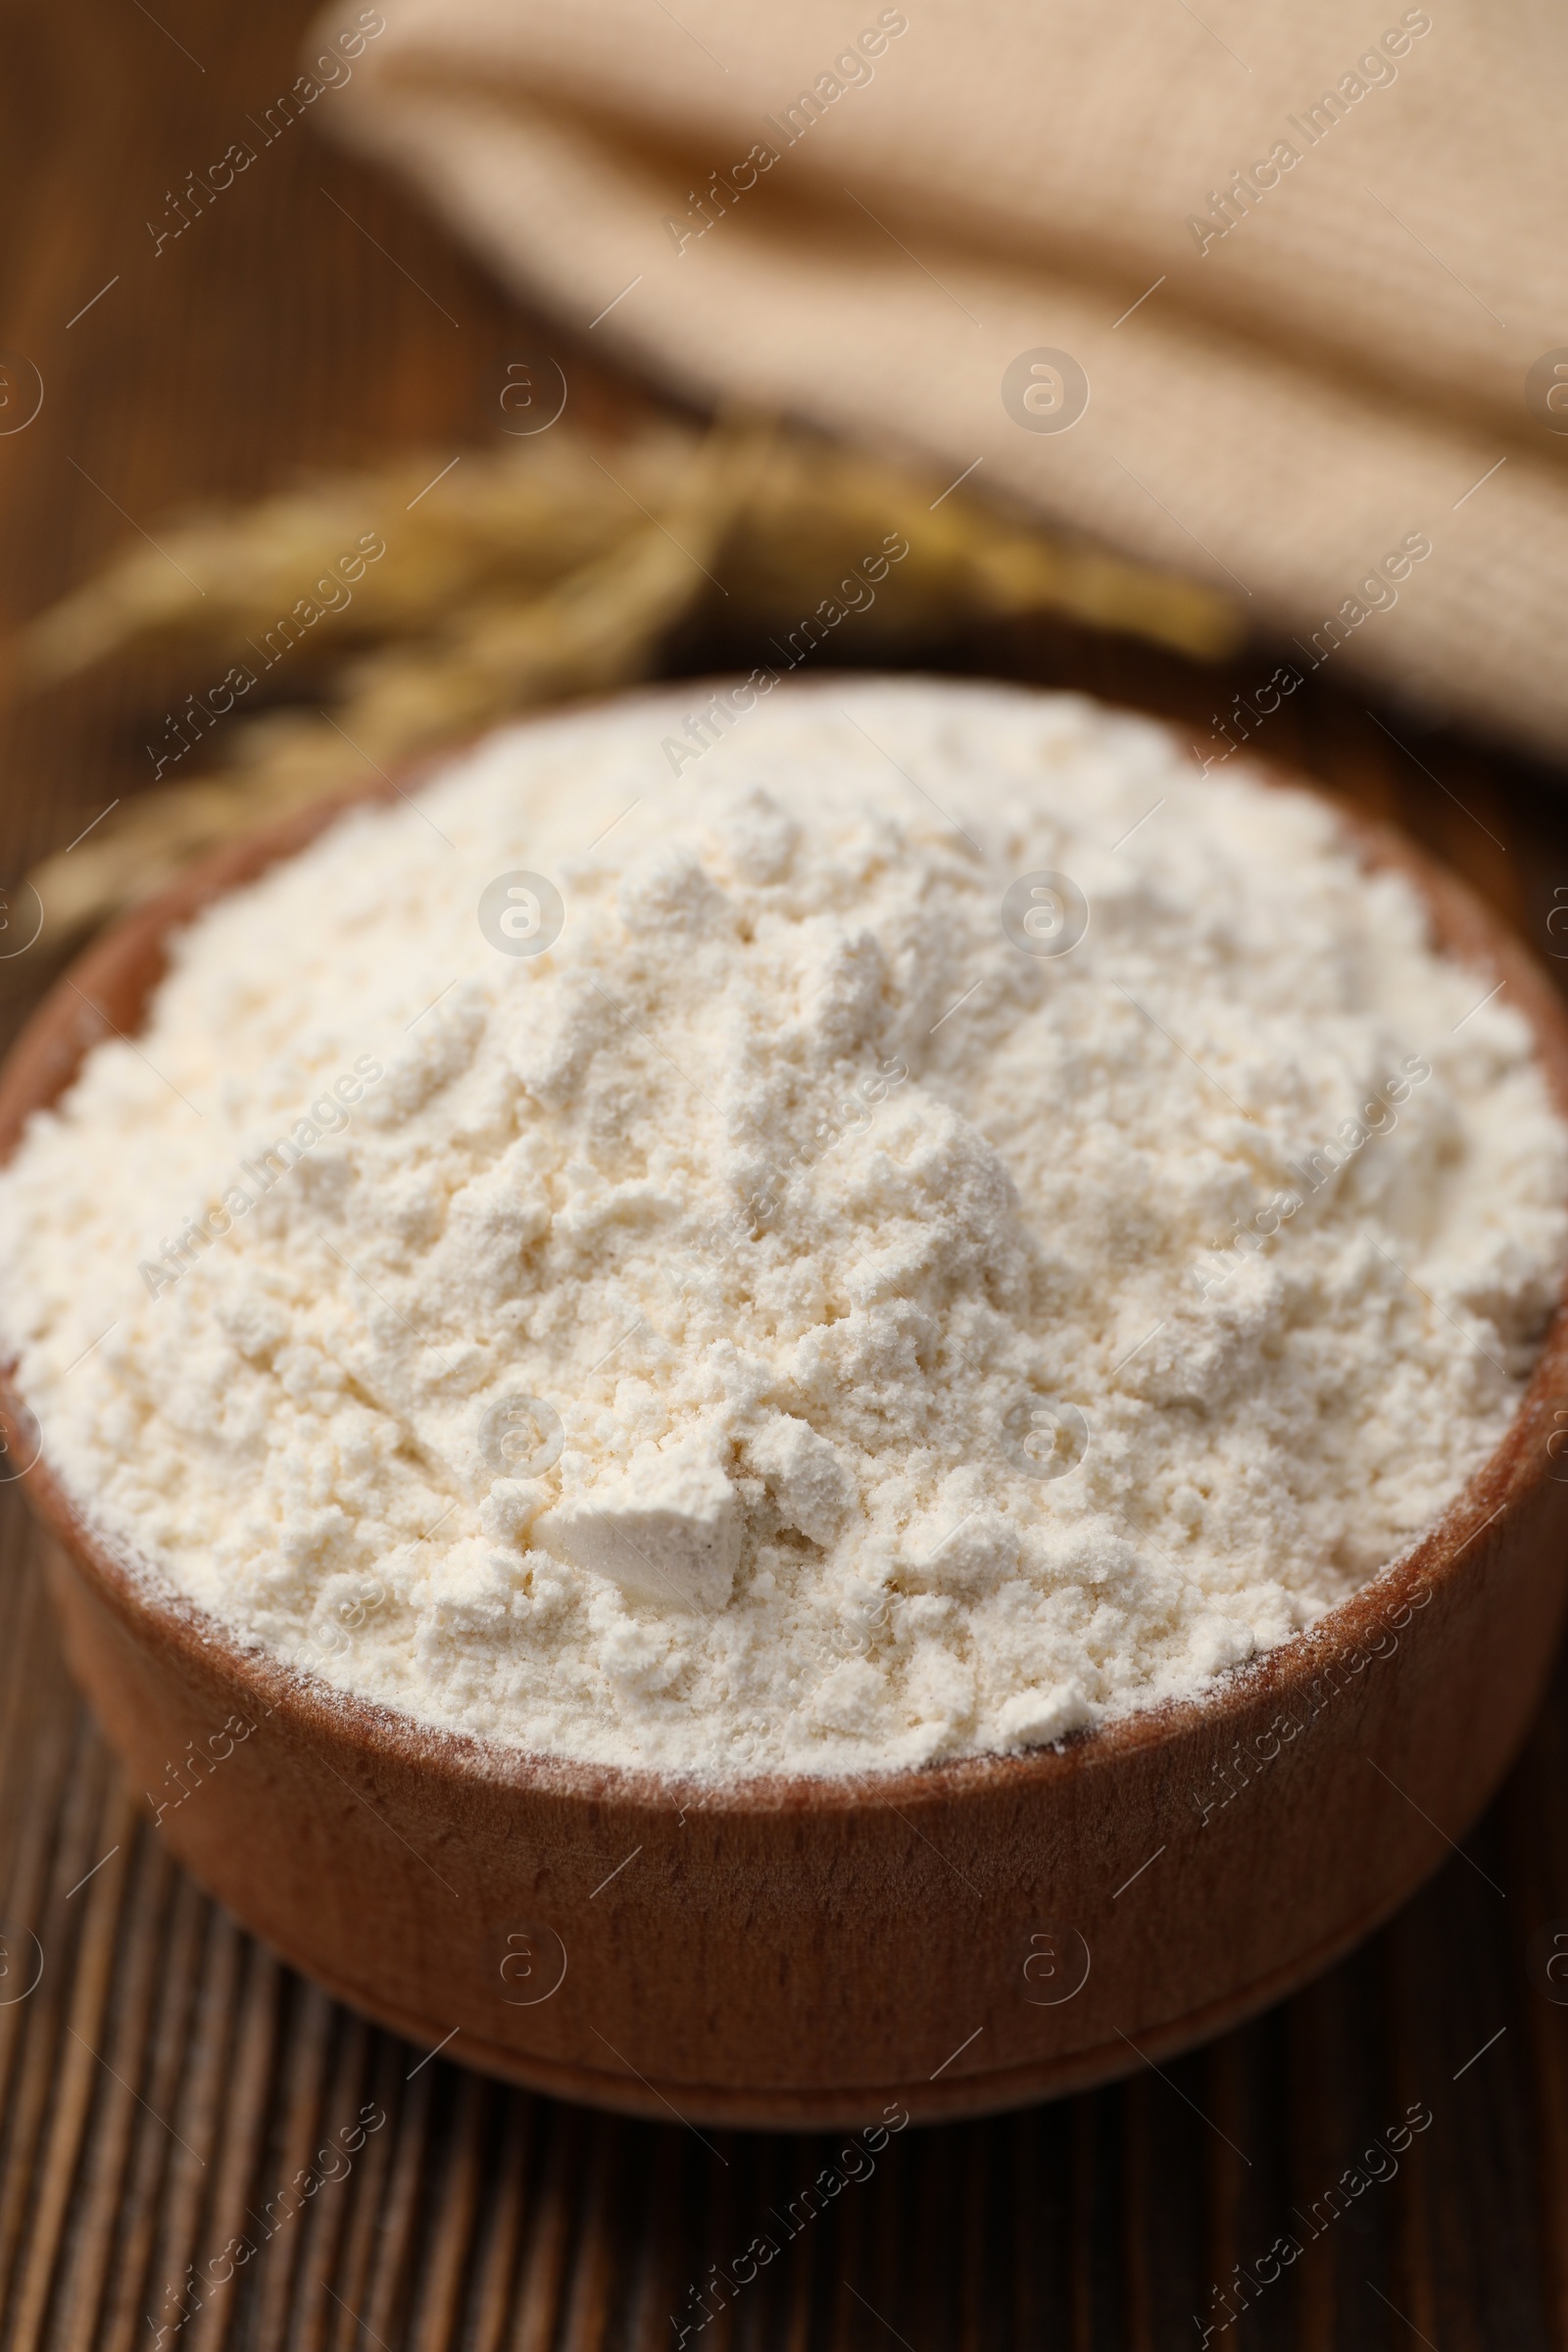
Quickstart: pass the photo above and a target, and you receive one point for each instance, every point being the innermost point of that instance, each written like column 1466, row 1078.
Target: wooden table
column 166, row 2075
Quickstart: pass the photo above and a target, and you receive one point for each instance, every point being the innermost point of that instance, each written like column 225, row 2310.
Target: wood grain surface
column 164, row 2081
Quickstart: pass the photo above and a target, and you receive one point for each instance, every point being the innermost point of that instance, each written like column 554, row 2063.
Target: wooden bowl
column 806, row 1952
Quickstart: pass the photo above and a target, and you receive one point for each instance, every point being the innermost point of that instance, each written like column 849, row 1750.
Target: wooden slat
column 108, row 2154
column 42, row 2064
column 75, row 2083
column 135, row 2286
column 366, row 2202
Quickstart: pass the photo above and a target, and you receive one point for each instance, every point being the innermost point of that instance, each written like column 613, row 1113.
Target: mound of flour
column 935, row 1226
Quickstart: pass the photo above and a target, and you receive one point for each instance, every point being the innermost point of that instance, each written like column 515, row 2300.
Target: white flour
column 817, row 1218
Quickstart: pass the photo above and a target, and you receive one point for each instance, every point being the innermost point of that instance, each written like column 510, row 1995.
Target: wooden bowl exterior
column 800, row 1952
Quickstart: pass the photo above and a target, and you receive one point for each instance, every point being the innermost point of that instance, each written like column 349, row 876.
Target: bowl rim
column 48, row 1052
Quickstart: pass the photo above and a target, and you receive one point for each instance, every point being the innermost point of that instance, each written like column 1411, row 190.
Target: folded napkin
column 1275, row 297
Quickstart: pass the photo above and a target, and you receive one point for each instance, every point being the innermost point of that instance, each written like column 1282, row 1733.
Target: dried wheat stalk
column 539, row 570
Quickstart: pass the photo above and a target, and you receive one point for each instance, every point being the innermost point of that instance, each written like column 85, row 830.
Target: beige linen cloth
column 1310, row 262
